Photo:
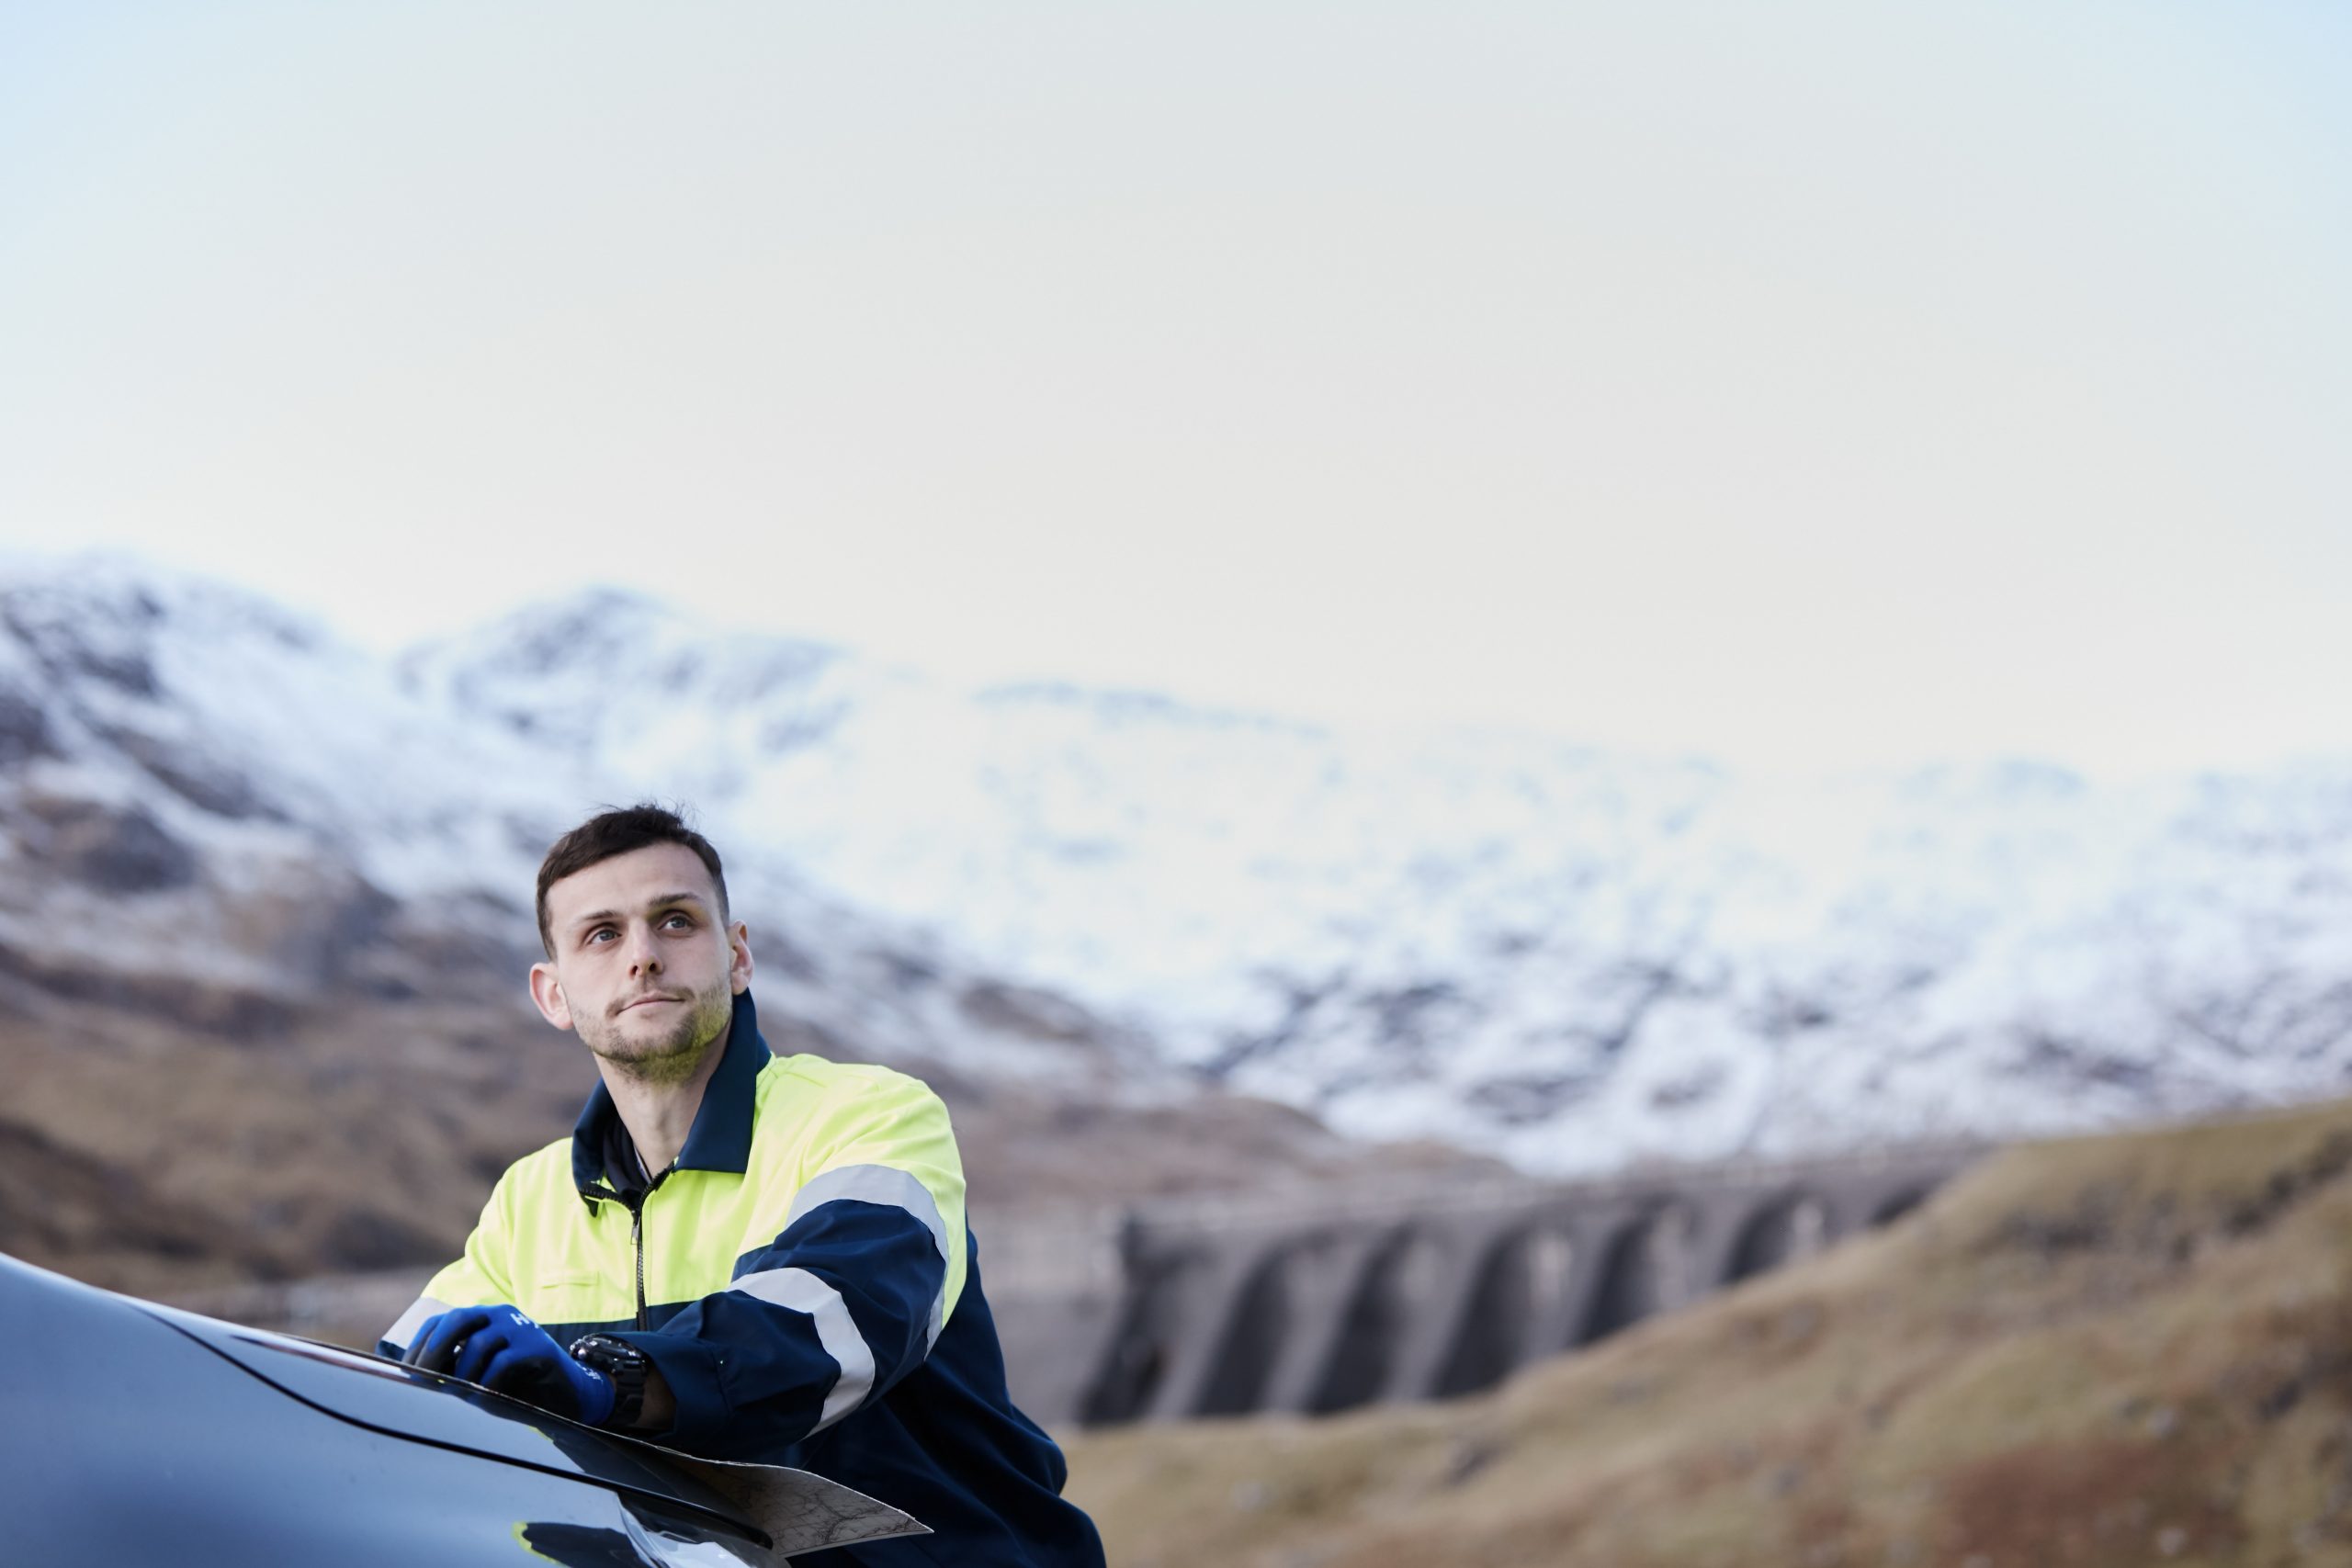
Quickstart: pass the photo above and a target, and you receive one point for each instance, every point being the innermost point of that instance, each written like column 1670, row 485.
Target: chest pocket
column 579, row 1295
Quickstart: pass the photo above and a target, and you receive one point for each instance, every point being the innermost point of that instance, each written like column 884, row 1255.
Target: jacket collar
column 721, row 1138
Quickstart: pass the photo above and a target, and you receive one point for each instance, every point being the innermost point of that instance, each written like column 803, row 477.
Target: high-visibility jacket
column 803, row 1279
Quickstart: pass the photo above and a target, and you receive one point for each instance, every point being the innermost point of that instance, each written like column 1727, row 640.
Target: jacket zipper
column 637, row 1241
column 635, row 1207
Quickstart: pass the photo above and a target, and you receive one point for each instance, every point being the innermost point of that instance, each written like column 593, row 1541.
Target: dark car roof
column 401, row 1402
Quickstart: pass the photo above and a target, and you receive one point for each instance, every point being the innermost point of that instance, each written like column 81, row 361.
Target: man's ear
column 548, row 992
column 739, row 958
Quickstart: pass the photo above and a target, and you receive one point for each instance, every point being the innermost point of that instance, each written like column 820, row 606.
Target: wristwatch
column 625, row 1364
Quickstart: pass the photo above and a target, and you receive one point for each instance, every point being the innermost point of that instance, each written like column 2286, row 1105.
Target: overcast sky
column 1803, row 384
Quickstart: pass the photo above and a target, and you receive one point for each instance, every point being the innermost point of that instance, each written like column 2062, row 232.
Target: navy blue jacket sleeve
column 844, row 1300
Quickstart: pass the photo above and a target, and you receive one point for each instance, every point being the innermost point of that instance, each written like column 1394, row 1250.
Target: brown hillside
column 2132, row 1349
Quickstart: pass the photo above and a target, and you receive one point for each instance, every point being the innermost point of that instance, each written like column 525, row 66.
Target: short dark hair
column 617, row 832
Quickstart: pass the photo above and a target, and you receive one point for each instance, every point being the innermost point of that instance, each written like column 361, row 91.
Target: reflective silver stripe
column 803, row 1291
column 403, row 1331
column 892, row 1187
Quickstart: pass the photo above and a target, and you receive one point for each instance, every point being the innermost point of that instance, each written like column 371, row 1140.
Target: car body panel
column 428, row 1407
column 130, row 1435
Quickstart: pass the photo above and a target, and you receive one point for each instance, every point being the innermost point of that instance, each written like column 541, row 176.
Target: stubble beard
column 669, row 1059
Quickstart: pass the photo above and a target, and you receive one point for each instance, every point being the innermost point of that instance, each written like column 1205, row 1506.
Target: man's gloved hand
column 503, row 1351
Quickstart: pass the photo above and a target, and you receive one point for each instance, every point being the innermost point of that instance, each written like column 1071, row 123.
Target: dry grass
column 2103, row 1352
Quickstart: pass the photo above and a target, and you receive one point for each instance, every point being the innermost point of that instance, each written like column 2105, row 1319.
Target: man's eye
column 600, row 933
column 684, row 922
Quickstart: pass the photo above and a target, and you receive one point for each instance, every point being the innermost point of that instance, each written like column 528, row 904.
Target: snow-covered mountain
column 216, row 803
column 1570, row 959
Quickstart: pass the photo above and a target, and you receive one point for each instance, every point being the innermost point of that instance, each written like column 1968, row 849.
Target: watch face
column 608, row 1354
column 625, row 1364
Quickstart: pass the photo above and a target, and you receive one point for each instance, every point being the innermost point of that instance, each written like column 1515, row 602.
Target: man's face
column 645, row 970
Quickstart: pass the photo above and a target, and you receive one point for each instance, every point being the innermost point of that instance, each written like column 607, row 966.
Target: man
column 742, row 1256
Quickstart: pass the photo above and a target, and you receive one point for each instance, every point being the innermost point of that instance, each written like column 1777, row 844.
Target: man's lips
column 644, row 1001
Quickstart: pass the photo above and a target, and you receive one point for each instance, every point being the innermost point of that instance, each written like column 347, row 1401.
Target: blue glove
column 507, row 1353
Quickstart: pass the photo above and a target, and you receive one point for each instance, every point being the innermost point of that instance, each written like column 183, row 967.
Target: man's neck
column 658, row 1116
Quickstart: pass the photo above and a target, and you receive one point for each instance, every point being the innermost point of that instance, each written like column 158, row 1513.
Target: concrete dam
column 1319, row 1305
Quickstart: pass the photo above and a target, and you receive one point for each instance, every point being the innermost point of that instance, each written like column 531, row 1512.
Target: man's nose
column 644, row 958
